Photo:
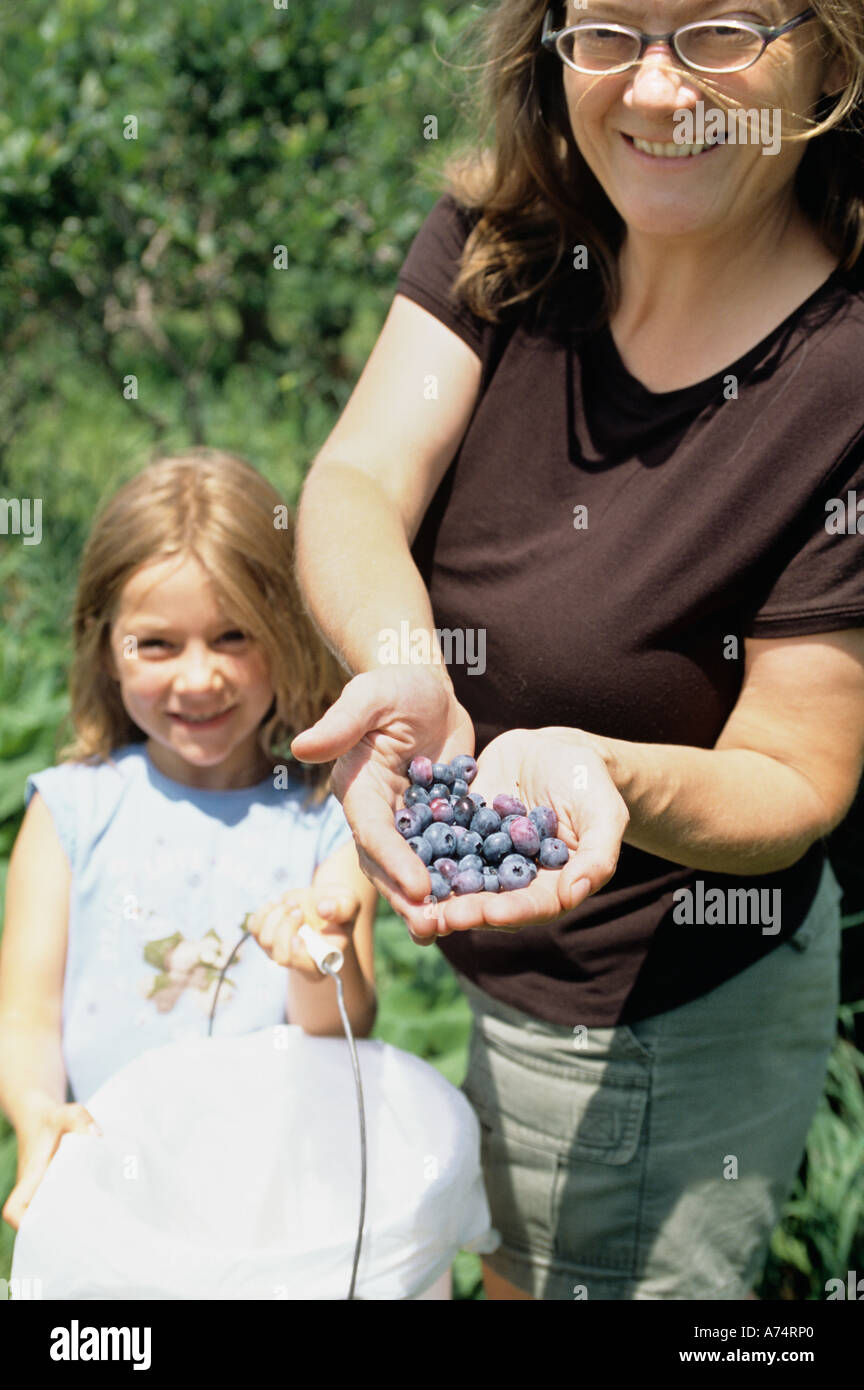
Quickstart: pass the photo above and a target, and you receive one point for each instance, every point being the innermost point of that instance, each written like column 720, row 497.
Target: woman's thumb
column 343, row 725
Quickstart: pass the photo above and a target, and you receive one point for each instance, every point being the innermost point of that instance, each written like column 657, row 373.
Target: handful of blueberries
column 470, row 847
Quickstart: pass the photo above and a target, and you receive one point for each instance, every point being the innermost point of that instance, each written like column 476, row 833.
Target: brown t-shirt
column 706, row 521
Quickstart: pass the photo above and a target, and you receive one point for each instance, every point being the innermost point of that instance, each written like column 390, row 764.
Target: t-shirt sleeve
column 431, row 266
column 54, row 786
column 821, row 585
column 335, row 830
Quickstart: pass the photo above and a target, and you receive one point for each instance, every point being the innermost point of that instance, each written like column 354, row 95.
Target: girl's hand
column 543, row 767
column 380, row 722
column 36, row 1151
column 333, row 913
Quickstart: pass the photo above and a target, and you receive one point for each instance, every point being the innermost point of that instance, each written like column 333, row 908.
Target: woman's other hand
column 542, row 767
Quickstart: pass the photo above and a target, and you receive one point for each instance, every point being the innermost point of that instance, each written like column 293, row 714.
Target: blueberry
column 463, row 811
column 420, row 772
column 507, row 822
column 545, row 820
column 525, row 836
column 423, row 815
column 441, row 810
column 485, row 821
column 442, row 772
column 471, row 861
column 460, row 787
column 553, row 853
column 439, row 790
column 468, row 881
column 414, row 795
column 408, row 822
column 515, row 872
column 419, row 846
column 438, row 886
column 469, row 842
column 446, row 867
column 440, row 838
column 477, row 799
column 496, row 847
column 464, row 766
column 508, row 805
column 490, row 881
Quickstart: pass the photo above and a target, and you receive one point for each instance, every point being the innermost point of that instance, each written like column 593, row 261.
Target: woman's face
column 189, row 677
column 727, row 186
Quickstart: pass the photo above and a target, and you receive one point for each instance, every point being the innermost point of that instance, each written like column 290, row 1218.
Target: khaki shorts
column 652, row 1160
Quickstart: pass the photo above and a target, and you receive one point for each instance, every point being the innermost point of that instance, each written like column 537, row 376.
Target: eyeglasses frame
column 549, row 40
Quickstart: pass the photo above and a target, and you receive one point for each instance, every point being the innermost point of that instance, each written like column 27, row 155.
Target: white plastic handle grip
column 320, row 949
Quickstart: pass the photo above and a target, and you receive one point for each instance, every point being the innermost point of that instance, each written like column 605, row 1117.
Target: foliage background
column 153, row 258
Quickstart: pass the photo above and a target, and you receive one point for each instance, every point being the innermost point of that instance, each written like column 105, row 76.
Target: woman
column 610, row 423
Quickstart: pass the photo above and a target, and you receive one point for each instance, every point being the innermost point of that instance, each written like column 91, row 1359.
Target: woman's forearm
column 354, row 565
column 730, row 811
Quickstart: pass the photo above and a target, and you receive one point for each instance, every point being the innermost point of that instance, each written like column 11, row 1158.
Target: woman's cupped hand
column 385, row 718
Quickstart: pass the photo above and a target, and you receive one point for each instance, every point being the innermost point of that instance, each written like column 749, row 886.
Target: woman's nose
column 658, row 78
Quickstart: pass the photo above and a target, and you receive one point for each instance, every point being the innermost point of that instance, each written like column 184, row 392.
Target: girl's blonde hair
column 213, row 506
column 535, row 196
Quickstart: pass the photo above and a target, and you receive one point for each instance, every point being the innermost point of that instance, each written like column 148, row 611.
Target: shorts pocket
column 559, row 1140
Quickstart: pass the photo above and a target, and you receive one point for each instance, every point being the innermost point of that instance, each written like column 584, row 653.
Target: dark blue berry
column 490, row 881
column 468, row 881
column 515, row 872
column 419, row 846
column 439, row 887
column 485, row 821
column 545, row 820
column 553, row 853
column 409, row 821
column 496, row 847
column 439, row 790
column 414, row 795
column 477, row 799
column 460, row 787
column 463, row 811
column 469, row 842
column 441, row 839
column 464, row 766
column 442, row 772
column 471, row 861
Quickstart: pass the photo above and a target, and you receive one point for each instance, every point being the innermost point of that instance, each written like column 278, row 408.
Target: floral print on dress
column 182, row 965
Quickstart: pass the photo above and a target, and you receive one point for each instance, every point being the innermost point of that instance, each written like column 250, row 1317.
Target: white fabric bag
column 229, row 1168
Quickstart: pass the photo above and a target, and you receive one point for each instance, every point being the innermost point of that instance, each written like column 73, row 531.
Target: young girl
column 174, row 813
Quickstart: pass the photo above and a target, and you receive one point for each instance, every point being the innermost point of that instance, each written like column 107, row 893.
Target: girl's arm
column 32, row 964
column 311, row 1000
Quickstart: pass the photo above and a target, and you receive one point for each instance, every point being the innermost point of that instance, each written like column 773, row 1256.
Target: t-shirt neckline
column 606, row 347
column 170, row 784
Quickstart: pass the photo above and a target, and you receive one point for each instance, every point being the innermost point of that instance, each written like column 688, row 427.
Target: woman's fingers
column 360, row 707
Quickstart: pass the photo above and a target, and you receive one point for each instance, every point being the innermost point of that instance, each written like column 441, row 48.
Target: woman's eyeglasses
column 715, row 45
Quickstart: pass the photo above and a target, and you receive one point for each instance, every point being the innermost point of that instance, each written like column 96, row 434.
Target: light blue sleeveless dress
column 162, row 877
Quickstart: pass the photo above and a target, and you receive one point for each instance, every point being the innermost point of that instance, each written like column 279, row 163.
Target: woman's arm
column 371, row 484
column 32, row 964
column 782, row 774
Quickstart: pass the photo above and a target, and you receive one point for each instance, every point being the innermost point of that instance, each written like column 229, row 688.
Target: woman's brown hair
column 536, row 197
column 217, row 508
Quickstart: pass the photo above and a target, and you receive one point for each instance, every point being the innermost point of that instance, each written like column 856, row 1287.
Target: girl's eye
column 235, row 635
column 153, row 642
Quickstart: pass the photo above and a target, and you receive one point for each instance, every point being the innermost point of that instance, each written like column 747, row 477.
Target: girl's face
column 727, row 188
column 189, row 677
